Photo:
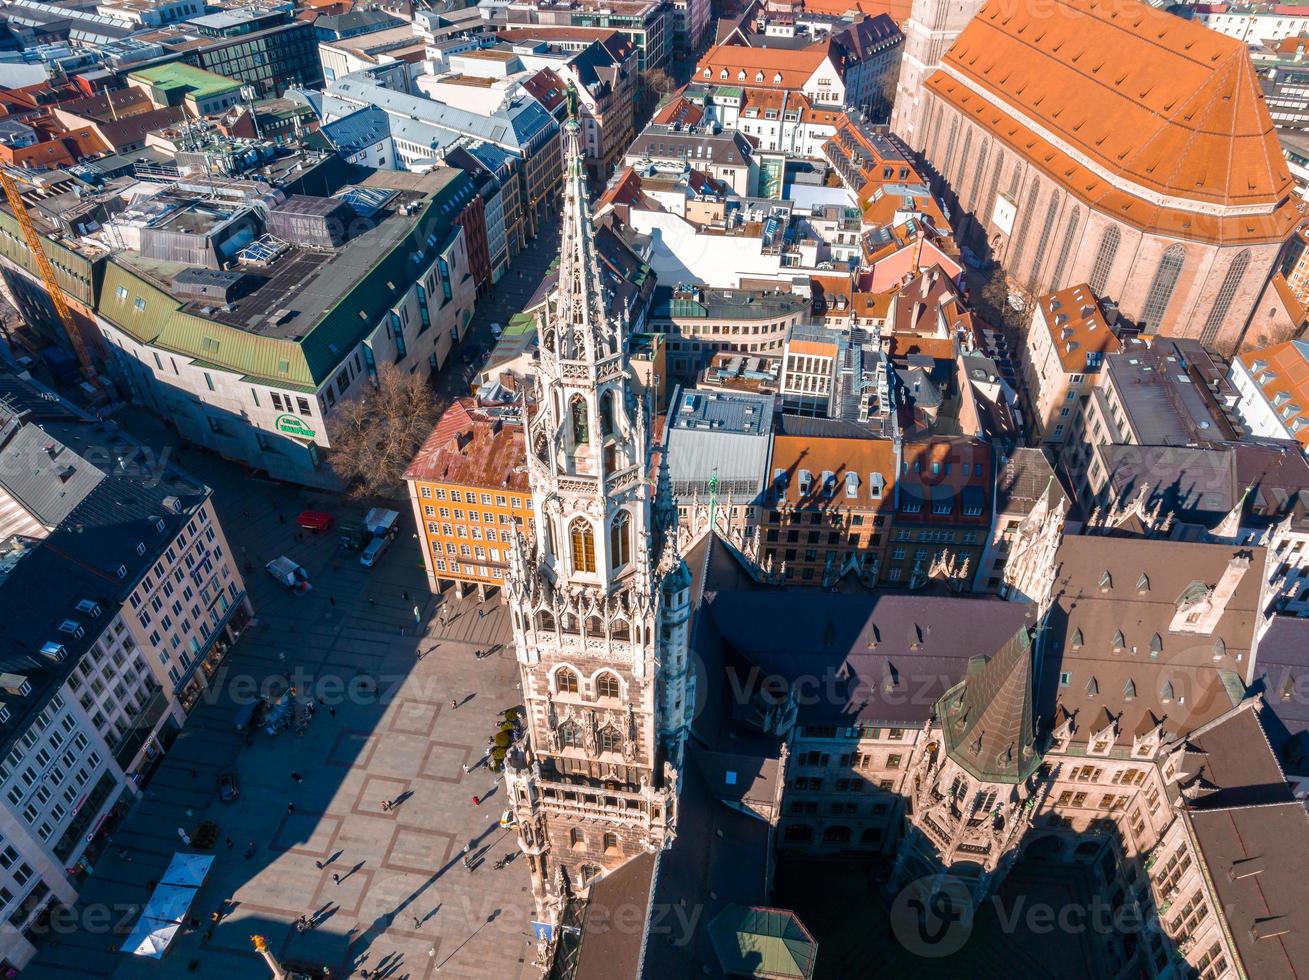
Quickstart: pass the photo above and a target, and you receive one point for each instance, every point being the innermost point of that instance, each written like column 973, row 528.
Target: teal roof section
column 761, row 942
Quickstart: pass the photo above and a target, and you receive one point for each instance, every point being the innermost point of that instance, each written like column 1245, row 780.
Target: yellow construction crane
column 47, row 272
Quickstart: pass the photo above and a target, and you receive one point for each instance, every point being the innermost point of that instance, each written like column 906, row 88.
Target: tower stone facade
column 932, row 27
column 599, row 598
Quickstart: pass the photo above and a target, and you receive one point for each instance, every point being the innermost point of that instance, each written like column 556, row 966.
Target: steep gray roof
column 45, row 477
column 514, row 126
column 987, row 719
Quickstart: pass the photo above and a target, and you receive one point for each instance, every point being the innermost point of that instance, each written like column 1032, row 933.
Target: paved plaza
column 386, row 731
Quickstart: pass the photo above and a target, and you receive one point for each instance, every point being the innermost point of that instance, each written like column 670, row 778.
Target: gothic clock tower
column 599, row 599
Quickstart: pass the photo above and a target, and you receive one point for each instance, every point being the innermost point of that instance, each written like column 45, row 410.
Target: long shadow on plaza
column 182, row 791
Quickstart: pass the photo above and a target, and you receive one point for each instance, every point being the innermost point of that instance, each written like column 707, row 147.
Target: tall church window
column 948, row 161
column 958, row 183
column 582, row 538
column 1024, row 222
column 607, row 412
column 978, row 170
column 1226, row 292
column 620, row 540
column 1065, row 249
column 1161, row 287
column 1043, row 242
column 1104, row 259
column 577, row 415
column 609, row 740
column 566, row 681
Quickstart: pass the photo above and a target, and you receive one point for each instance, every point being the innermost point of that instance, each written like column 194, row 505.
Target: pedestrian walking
column 386, row 806
column 229, row 842
column 476, row 801
column 418, row 923
column 281, row 655
column 318, row 865
column 332, row 599
column 454, row 702
column 465, row 768
column 405, row 595
column 297, row 777
column 332, row 710
column 336, row 878
column 290, row 808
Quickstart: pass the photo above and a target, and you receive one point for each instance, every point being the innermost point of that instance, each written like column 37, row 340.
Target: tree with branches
column 653, row 85
column 375, row 437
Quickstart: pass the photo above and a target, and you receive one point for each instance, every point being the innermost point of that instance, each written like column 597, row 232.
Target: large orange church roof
column 1163, row 103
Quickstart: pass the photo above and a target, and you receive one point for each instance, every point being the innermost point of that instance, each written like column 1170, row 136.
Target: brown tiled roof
column 1253, row 836
column 1163, row 105
column 469, row 447
column 837, row 456
column 1109, row 632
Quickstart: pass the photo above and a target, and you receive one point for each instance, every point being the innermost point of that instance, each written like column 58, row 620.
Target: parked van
column 374, row 550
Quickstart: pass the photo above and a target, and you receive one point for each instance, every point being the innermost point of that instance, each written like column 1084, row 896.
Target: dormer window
column 1143, row 584
column 1120, row 641
column 1106, row 581
column 852, row 484
column 806, row 482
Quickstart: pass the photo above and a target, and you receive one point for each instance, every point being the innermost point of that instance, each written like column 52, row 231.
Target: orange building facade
column 468, row 488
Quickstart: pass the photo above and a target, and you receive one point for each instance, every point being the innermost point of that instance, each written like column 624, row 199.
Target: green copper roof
column 137, row 301
column 762, row 942
column 179, row 75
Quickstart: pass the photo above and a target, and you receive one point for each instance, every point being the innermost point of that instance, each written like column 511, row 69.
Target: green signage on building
column 292, row 426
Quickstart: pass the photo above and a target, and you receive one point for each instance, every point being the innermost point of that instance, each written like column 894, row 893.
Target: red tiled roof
column 777, row 68
column 1282, row 374
column 1077, row 328
column 1163, row 103
column 470, row 448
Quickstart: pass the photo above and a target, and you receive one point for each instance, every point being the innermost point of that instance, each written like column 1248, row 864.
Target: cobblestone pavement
column 387, row 731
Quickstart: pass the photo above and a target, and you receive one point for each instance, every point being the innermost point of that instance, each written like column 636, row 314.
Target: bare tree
column 653, row 85
column 375, row 437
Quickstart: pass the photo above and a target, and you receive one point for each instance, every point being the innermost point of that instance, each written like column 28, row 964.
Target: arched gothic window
column 607, row 686
column 577, row 415
column 620, row 540
column 1161, row 287
column 566, row 681
column 610, row 740
column 569, row 736
column 1218, row 312
column 1065, row 249
column 607, row 412
column 582, row 539
column 1104, row 259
